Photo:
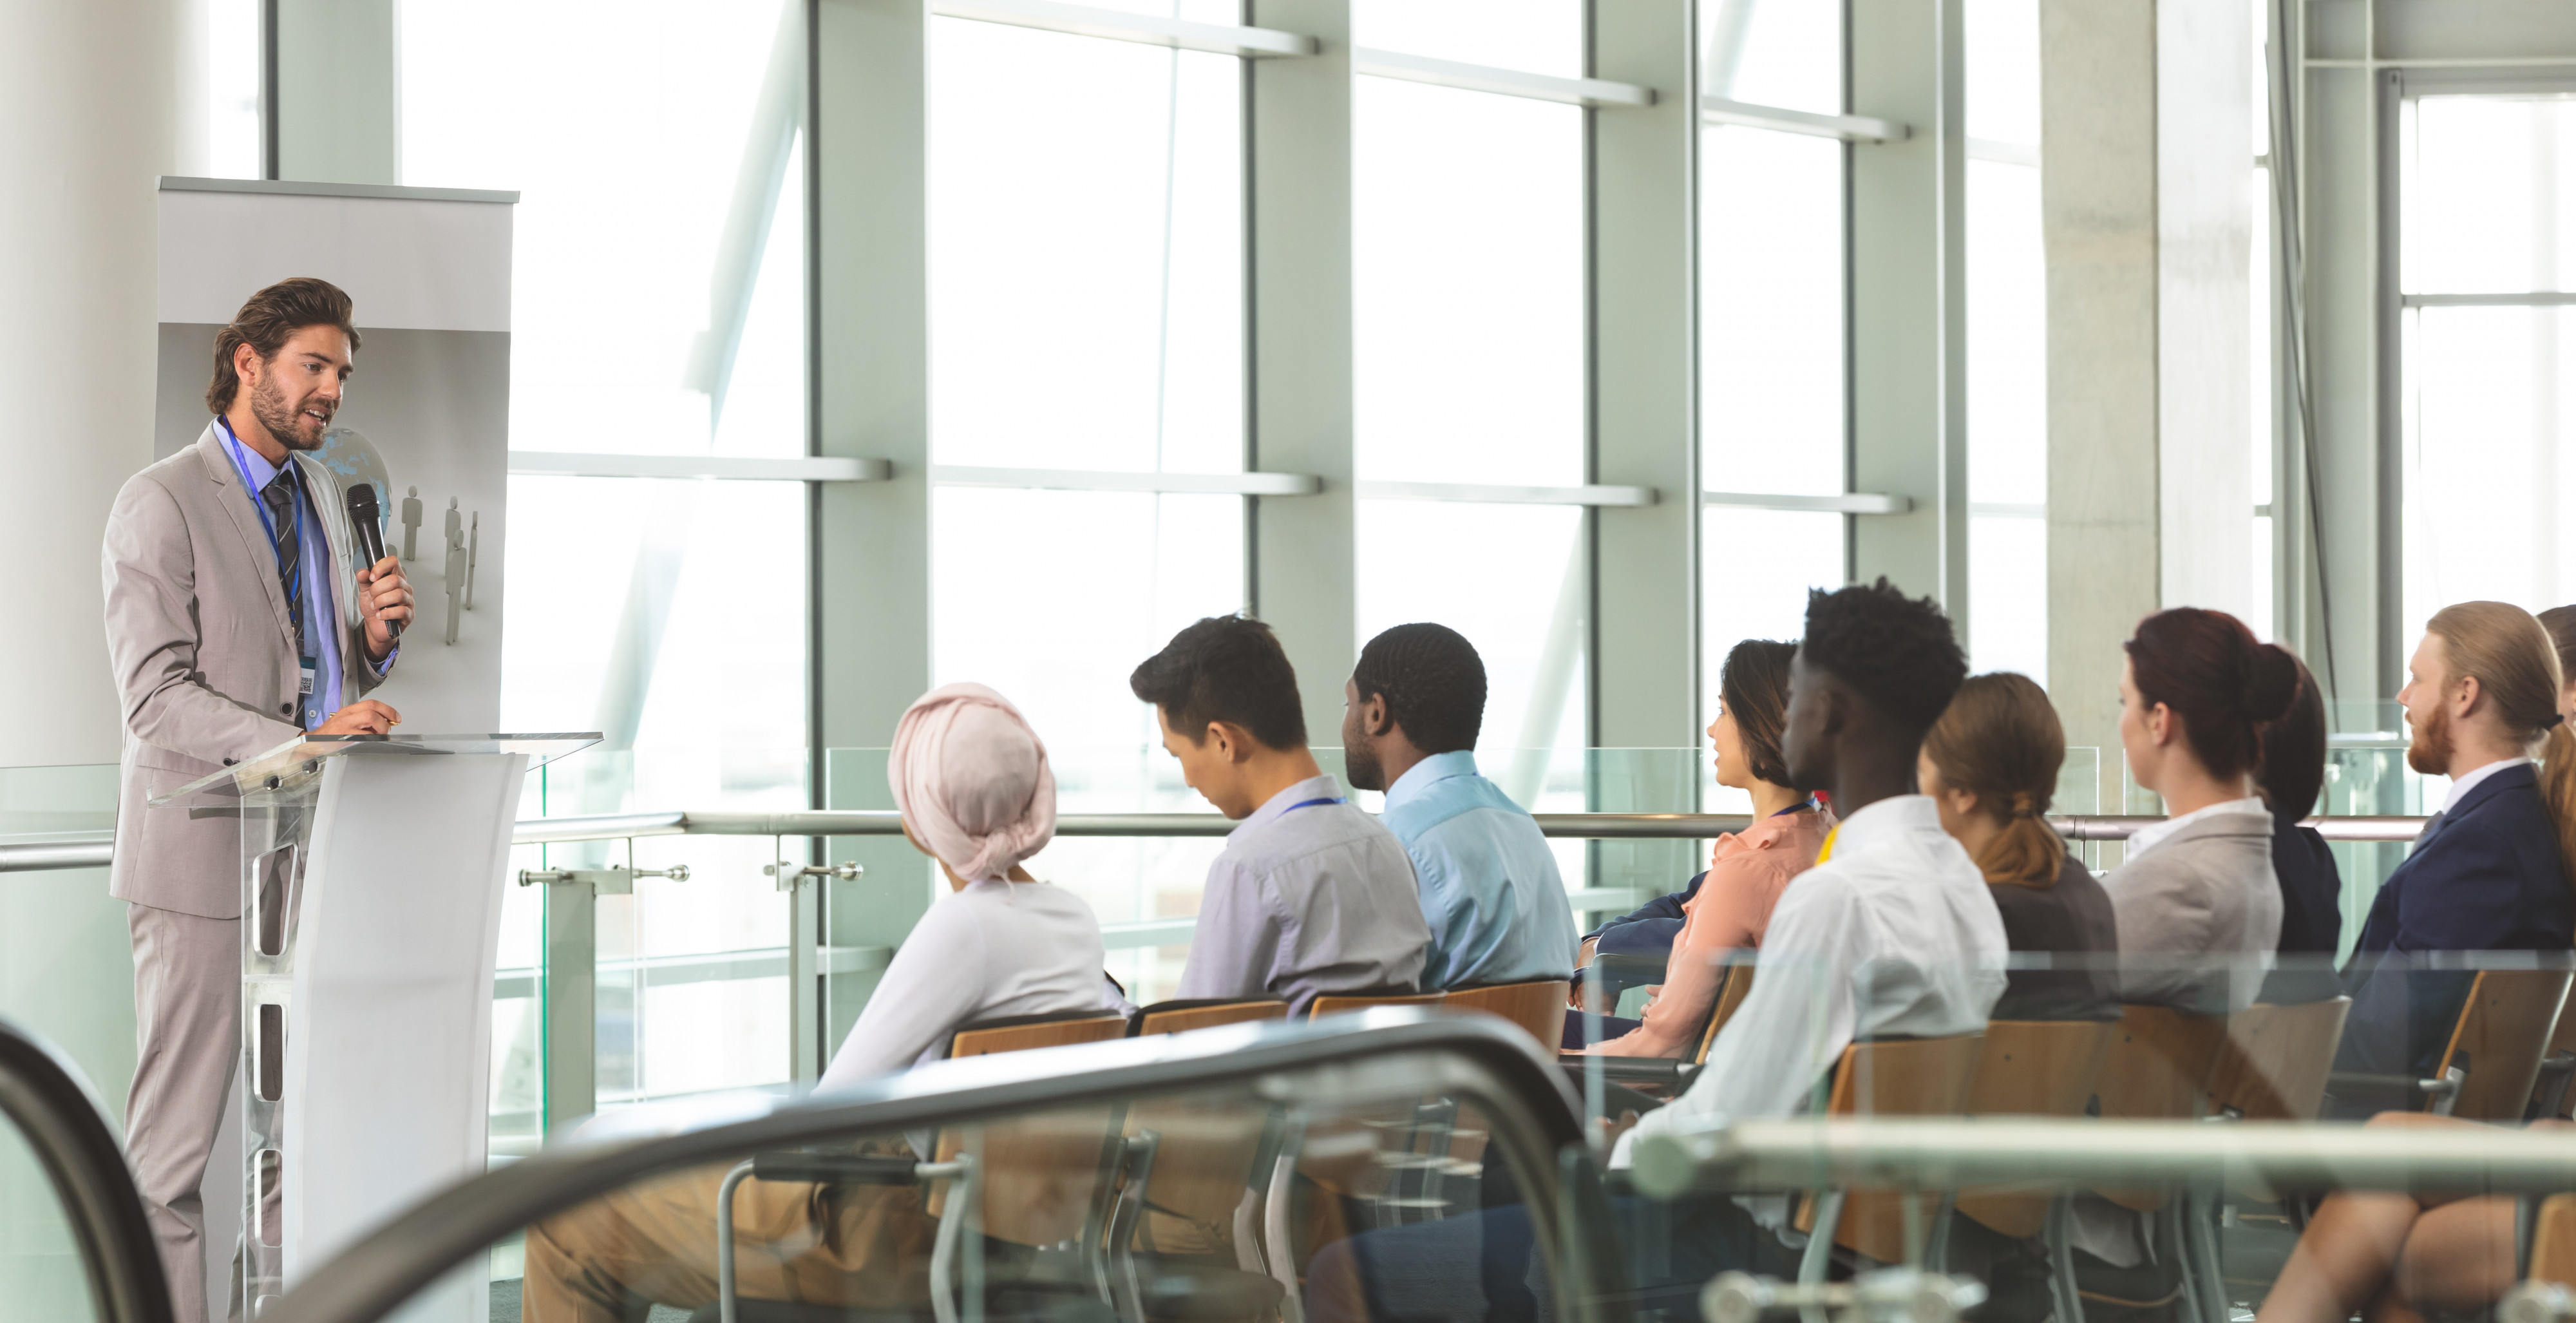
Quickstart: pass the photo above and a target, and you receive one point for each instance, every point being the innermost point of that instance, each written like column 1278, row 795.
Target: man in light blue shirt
column 1489, row 886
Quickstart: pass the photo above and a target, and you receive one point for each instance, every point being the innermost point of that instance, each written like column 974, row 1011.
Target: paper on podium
column 371, row 899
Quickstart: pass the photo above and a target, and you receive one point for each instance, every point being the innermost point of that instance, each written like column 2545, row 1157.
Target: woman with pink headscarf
column 972, row 782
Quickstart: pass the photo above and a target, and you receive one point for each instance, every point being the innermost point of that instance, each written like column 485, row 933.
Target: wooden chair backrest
column 2553, row 1241
column 2503, row 1032
column 1020, row 1033
column 1041, row 1173
column 1730, row 994
column 1180, row 1017
column 2274, row 1064
column 1334, row 1003
column 1538, row 1008
column 1896, row 1077
column 1204, row 1151
column 2032, row 1068
column 2158, row 1070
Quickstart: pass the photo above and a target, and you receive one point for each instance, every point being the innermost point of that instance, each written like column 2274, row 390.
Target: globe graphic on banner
column 353, row 459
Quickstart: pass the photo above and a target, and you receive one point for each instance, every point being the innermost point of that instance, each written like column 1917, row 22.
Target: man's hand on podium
column 364, row 717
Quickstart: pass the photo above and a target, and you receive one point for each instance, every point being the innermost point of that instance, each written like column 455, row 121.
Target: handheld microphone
column 369, row 525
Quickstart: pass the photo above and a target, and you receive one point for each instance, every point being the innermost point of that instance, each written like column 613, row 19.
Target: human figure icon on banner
column 455, row 569
column 411, row 525
column 473, row 554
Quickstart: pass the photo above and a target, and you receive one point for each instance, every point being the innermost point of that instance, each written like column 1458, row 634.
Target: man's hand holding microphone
column 385, row 602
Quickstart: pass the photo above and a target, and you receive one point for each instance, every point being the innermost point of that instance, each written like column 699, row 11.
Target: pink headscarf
column 971, row 780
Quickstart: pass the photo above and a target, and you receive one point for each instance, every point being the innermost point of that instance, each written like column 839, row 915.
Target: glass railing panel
column 68, row 973
column 1251, row 1187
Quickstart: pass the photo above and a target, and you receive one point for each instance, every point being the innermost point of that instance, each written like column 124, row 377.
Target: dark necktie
column 279, row 496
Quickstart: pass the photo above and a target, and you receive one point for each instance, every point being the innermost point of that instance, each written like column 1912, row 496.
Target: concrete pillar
column 86, row 127
column 2144, row 178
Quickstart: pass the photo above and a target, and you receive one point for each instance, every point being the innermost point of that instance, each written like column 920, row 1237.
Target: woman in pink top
column 1747, row 871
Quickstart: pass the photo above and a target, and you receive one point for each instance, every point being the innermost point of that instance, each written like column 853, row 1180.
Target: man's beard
column 268, row 405
column 1361, row 765
column 2430, row 753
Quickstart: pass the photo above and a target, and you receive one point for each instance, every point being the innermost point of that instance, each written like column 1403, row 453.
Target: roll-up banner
column 425, row 418
column 426, row 414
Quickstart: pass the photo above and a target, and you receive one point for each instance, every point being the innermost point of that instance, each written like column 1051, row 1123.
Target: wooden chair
column 2553, row 1241
column 2274, row 1063
column 1890, row 1077
column 1538, row 1008
column 2037, row 1068
column 1335, row 1003
column 1730, row 995
column 1040, row 1181
column 2486, row 1071
column 2551, row 1095
column 2159, row 1070
column 1020, row 1033
column 1180, row 1017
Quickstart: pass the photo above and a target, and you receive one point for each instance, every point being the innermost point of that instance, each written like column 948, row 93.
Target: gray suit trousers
column 187, row 1015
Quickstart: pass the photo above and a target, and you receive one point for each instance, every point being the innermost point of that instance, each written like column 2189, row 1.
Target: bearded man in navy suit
column 2489, row 872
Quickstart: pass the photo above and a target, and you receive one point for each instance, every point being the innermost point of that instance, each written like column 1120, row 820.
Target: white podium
column 372, row 873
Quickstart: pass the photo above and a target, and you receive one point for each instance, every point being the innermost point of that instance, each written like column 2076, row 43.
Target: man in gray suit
column 235, row 622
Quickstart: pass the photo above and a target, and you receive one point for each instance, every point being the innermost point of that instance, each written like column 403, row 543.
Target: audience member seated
column 1728, row 907
column 2398, row 1258
column 1311, row 895
column 2198, row 906
column 2197, row 902
column 1990, row 766
column 2489, row 872
column 972, row 783
column 2292, row 778
column 1891, row 934
column 1488, row 883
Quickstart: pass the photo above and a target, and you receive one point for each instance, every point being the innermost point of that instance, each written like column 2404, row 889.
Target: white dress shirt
column 1894, row 935
column 1311, row 895
column 2154, row 833
column 986, row 950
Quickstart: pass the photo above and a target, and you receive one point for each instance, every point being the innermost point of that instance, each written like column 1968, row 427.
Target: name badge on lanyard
column 310, row 669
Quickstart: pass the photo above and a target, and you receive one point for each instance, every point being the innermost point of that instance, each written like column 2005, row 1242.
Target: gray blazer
column 204, row 655
column 2204, row 893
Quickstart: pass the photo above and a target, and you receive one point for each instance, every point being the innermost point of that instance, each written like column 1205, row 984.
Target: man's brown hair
column 268, row 320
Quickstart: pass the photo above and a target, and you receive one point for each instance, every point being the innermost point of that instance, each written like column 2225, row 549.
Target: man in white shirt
column 1311, row 895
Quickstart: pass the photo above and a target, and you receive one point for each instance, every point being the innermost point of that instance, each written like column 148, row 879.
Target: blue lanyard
column 295, row 585
column 1310, row 804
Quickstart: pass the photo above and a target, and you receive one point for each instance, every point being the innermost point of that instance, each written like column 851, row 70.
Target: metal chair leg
column 952, row 1225
column 2064, row 1296
column 1130, row 1300
column 724, row 1241
column 2206, row 1264
column 1818, row 1260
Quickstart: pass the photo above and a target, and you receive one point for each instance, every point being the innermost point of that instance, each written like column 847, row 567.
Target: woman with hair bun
column 1990, row 765
column 2197, row 899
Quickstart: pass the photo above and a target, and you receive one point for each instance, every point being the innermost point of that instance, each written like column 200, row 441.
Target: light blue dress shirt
column 1490, row 890
column 321, row 571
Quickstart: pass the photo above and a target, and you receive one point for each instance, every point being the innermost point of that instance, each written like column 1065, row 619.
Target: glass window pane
column 1086, row 264
column 1771, row 313
column 2490, row 194
column 1467, row 256
column 657, row 279
column 2485, row 401
column 1774, row 53
column 2007, row 344
column 1535, row 36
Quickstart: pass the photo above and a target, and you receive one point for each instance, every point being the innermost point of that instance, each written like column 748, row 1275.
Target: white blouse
column 987, row 950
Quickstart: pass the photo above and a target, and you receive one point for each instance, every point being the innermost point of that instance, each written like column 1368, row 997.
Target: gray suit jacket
column 205, row 663
column 2197, row 913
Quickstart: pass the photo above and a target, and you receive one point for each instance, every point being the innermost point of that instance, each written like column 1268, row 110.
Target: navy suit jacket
column 2484, row 876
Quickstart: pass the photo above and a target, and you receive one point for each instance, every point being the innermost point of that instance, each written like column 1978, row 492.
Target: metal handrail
column 93, row 849
column 1372, row 1056
column 1947, row 1154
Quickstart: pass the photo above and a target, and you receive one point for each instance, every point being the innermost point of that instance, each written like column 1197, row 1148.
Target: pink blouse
column 1747, row 872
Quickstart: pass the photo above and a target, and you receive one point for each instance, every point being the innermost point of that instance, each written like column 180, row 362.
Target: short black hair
column 1433, row 683
column 1896, row 650
column 1225, row 668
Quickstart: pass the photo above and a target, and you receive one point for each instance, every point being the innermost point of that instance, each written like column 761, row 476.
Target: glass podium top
column 300, row 759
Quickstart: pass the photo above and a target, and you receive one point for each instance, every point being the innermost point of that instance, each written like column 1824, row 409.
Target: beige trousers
column 187, row 1029
column 865, row 1246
